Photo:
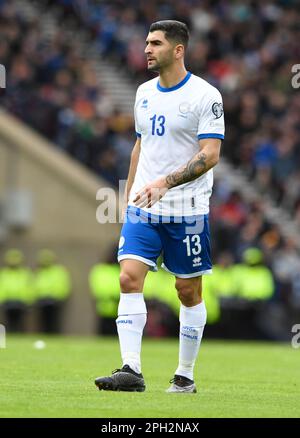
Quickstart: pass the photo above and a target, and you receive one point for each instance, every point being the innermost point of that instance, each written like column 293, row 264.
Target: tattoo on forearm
column 194, row 168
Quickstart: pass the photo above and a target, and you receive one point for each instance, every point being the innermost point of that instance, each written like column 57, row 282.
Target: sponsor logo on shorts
column 197, row 262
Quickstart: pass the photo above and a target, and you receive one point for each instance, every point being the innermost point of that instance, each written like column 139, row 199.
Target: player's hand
column 151, row 193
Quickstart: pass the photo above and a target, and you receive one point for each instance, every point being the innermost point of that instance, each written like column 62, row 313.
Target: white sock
column 132, row 316
column 192, row 322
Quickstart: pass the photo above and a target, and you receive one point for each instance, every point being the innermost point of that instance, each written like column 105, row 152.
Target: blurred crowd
column 244, row 48
column 55, row 89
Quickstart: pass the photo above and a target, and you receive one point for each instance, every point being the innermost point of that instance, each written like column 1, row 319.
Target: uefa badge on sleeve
column 217, row 109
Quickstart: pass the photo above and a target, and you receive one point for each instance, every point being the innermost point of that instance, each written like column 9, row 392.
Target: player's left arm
column 205, row 159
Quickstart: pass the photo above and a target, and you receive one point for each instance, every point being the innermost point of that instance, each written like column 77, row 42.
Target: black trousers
column 14, row 314
column 49, row 311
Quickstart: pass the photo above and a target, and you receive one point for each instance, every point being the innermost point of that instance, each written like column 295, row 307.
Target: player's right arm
column 135, row 155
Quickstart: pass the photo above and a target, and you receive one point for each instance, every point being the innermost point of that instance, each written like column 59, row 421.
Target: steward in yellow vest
column 104, row 286
column 16, row 290
column 52, row 286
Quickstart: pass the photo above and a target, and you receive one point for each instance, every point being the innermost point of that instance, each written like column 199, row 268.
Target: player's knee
column 129, row 282
column 186, row 296
column 186, row 292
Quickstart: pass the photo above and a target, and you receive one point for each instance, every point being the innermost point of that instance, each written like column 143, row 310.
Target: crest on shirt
column 144, row 103
column 217, row 109
column 184, row 107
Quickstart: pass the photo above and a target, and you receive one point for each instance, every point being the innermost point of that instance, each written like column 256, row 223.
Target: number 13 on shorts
column 193, row 245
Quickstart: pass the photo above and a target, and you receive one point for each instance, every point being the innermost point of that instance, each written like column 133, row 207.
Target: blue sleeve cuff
column 210, row 135
column 138, row 134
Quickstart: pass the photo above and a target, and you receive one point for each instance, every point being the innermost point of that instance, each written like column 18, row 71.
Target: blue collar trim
column 166, row 90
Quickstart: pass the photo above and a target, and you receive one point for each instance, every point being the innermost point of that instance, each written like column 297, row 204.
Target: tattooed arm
column 205, row 159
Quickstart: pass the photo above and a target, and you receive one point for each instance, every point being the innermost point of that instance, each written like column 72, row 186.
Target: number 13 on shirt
column 158, row 125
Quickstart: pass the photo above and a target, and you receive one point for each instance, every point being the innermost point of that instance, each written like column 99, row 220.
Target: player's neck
column 172, row 77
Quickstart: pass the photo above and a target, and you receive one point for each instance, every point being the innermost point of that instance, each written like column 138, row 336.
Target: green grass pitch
column 234, row 379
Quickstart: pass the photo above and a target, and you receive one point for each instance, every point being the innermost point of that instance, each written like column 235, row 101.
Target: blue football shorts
column 184, row 242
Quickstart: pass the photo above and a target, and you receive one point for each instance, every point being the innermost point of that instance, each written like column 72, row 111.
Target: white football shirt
column 170, row 122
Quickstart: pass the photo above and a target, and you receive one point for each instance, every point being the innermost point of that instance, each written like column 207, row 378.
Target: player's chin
column 153, row 66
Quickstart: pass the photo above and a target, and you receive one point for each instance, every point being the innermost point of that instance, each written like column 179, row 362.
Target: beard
column 154, row 66
column 157, row 66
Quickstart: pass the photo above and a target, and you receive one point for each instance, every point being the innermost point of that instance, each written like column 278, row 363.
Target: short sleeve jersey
column 170, row 122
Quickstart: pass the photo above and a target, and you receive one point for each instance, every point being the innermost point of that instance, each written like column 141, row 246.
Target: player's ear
column 179, row 51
